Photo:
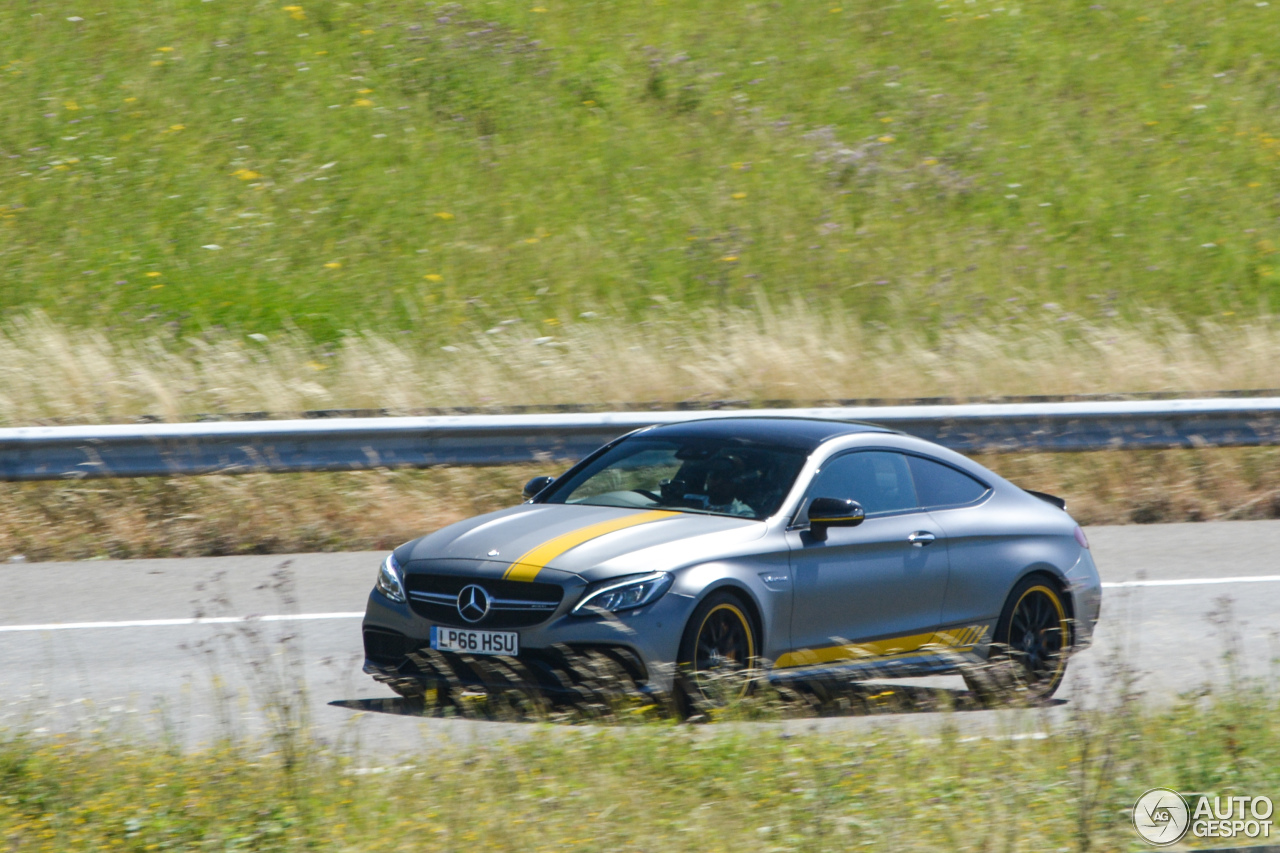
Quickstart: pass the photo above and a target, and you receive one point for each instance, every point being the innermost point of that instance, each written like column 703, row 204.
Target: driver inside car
column 722, row 487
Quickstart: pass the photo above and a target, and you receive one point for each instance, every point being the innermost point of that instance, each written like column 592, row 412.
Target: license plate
column 475, row 642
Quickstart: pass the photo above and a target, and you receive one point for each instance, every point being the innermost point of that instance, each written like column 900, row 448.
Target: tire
column 718, row 650
column 1028, row 656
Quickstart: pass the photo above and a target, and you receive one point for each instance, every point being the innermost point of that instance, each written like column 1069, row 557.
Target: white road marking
column 308, row 617
column 195, row 620
column 1193, row 581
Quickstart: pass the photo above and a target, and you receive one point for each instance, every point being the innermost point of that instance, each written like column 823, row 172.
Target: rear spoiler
column 1047, row 498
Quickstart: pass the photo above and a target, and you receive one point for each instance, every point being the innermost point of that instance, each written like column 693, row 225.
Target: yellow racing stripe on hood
column 527, row 567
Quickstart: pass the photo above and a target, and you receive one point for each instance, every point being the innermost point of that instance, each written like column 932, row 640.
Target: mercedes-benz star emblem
column 473, row 603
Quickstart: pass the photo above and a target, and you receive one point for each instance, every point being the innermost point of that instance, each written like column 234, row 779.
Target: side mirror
column 536, row 485
column 833, row 512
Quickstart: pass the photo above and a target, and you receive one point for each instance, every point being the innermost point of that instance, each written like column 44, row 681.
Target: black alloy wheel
column 1029, row 655
column 717, row 652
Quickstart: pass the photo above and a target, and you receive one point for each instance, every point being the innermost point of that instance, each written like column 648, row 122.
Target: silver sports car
column 793, row 547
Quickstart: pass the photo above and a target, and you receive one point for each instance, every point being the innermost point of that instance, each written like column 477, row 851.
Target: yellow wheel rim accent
column 1063, row 627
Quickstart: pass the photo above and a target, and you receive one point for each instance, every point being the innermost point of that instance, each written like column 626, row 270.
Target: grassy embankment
column 977, row 198
column 1067, row 785
column 424, row 167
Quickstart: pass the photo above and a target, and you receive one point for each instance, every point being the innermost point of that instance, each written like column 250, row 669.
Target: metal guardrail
column 344, row 444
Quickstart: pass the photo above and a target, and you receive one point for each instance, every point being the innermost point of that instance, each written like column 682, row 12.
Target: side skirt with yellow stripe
column 941, row 644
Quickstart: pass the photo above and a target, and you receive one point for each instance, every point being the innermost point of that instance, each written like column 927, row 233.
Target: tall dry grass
column 49, row 372
column 793, row 352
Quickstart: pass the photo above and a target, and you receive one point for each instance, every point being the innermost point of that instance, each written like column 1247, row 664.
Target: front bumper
column 643, row 643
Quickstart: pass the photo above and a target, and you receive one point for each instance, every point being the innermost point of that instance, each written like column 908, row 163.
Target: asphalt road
column 111, row 646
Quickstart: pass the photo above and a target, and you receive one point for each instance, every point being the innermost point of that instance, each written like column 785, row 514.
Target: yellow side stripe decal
column 960, row 638
column 527, row 567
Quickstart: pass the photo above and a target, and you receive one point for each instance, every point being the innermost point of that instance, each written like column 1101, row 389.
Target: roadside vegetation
column 428, row 168
column 49, row 374
column 1036, row 781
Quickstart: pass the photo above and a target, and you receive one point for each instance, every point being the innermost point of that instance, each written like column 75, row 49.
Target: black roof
column 798, row 433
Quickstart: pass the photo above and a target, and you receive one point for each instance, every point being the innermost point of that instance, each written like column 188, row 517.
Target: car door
column 872, row 589
column 983, row 563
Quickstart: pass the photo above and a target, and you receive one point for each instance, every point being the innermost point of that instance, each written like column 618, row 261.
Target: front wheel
column 719, row 647
column 1029, row 651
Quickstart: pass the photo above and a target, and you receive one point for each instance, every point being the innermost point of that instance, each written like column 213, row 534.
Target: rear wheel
column 1029, row 651
column 719, row 648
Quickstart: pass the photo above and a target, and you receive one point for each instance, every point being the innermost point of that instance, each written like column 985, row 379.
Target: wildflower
column 730, row 259
column 739, row 195
column 885, row 138
column 366, row 32
column 539, row 9
column 433, row 276
column 153, row 275
column 246, row 174
column 156, row 63
column 588, row 103
column 130, row 100
column 296, row 13
column 931, row 162
column 443, row 215
column 531, row 240
column 177, row 127
column 365, row 92
column 551, row 321
column 213, row 247
column 157, row 286
column 333, row 265
column 165, row 49
column 886, row 120
column 71, row 105
column 363, row 102
column 835, row 10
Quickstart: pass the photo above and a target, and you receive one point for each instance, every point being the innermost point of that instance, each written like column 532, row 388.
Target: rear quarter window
column 941, row 485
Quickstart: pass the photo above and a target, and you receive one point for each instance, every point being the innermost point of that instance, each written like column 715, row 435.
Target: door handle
column 921, row 538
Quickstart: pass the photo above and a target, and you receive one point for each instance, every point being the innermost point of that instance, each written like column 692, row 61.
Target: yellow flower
column 176, row 127
column 366, row 32
column 130, row 100
column 739, row 195
column 588, row 103
column 365, row 92
column 886, row 120
column 835, row 10
column 551, row 321
column 333, row 265
column 71, row 105
column 165, row 49
column 156, row 63
column 363, row 102
column 931, row 162
column 885, row 138
column 153, row 275
column 531, row 240
column 1254, row 184
column 433, row 276
column 156, row 286
column 443, row 215
column 296, row 13
column 730, row 259
column 246, row 174
column 538, row 9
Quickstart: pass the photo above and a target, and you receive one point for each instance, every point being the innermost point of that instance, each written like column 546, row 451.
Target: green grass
column 403, row 166
column 651, row 787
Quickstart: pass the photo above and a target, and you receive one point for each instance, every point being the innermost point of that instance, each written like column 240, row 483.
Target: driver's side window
column 878, row 479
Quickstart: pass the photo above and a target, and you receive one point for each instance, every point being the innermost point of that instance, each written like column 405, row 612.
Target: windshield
column 722, row 476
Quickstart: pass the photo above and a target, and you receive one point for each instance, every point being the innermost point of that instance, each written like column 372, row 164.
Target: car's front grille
column 513, row 604
column 382, row 645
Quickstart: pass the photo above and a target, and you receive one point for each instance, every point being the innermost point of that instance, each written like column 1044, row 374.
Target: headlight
column 624, row 594
column 389, row 583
